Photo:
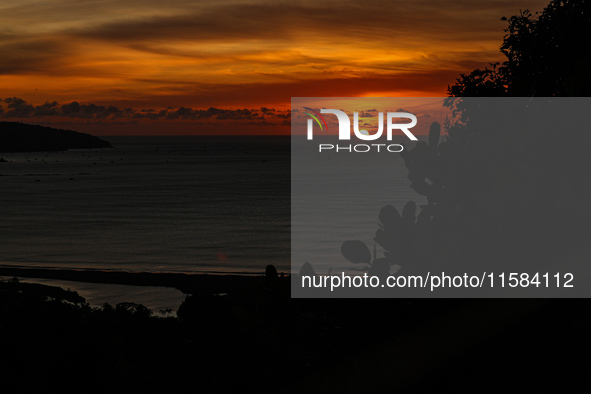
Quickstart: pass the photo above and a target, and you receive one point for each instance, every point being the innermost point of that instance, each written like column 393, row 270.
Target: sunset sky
column 146, row 66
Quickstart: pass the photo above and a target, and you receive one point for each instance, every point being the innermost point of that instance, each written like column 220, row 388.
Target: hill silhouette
column 22, row 137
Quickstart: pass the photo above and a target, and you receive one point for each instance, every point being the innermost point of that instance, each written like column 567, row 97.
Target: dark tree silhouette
column 547, row 55
column 492, row 182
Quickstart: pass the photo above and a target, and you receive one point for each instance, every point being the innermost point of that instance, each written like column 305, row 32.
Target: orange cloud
column 242, row 54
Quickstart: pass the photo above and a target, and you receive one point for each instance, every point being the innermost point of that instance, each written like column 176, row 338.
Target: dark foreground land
column 255, row 338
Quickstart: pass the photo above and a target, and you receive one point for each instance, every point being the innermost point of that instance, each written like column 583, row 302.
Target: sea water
column 168, row 204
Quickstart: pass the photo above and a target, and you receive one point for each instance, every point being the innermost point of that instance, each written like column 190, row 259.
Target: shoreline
column 160, row 300
column 188, row 283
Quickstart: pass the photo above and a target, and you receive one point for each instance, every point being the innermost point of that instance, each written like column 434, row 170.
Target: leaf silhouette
column 356, row 252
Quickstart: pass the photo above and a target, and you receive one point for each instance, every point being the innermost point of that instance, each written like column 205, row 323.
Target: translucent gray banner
column 440, row 197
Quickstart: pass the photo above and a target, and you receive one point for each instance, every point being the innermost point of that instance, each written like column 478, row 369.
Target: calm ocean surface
column 188, row 204
column 162, row 204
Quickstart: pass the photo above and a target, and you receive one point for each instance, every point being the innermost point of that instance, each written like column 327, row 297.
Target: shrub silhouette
column 502, row 183
column 545, row 56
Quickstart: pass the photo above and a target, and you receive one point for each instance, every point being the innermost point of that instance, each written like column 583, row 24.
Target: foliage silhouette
column 500, row 184
column 546, row 56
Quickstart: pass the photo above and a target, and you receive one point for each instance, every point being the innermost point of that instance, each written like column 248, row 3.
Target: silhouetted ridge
column 22, row 137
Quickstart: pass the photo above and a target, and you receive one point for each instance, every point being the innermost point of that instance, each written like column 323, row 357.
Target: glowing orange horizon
column 237, row 55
